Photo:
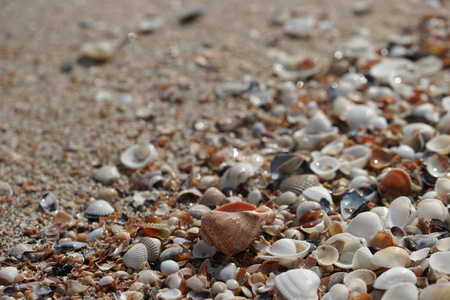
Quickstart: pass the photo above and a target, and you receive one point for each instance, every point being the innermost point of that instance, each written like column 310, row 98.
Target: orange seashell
column 158, row 230
column 380, row 159
column 382, row 240
column 394, row 184
column 232, row 227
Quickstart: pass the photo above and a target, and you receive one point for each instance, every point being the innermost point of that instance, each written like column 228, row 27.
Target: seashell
column 308, row 211
column 95, row 234
column 287, row 251
column 150, row 24
column 105, row 280
column 433, row 209
column 236, row 175
column 310, row 141
column 394, row 184
column 238, row 222
column 203, row 250
column 382, row 69
column 337, row 292
column 5, row 188
column 108, row 194
column 325, row 167
column 435, row 292
column 191, row 14
column 286, row 198
column 333, row 148
column 361, row 6
column 189, row 195
column 428, row 65
column 228, row 272
column 402, row 290
column 362, row 259
column 391, row 257
column 360, row 115
column 169, row 294
column 197, row 210
column 106, row 174
column 196, row 284
column 356, row 47
column 401, row 212
column 440, row 263
column 443, row 244
column 439, row 144
column 212, row 197
column 39, row 289
column 438, row 165
column 350, row 245
column 169, row 267
column 403, row 82
column 317, row 193
column 299, row 183
column 63, row 218
column 357, row 287
column 170, row 253
column 442, row 187
column 351, row 203
column 48, row 203
column 354, row 157
column 419, row 255
column 365, row 225
column 426, row 111
column 100, row 50
column 136, row 257
column 69, row 246
column 424, row 129
column 7, row 274
column 138, row 156
column 208, row 181
column 285, row 164
column 158, row 230
column 218, row 287
column 326, row 255
column 98, row 209
column 298, row 284
column 302, row 27
column 394, row 276
column 147, row 276
column 380, row 159
column 153, row 247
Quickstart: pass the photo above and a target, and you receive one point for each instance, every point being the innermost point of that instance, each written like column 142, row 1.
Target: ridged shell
column 138, row 156
column 236, row 175
column 99, row 208
column 195, row 283
column 232, row 227
column 299, row 183
column 401, row 213
column 393, row 276
column 212, row 197
column 136, row 256
column 402, row 290
column 298, row 284
column 363, row 259
column 391, row 257
column 153, row 247
column 365, row 225
column 286, row 198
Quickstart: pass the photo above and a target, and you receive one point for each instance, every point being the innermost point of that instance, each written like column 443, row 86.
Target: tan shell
column 299, row 183
column 232, row 227
column 326, row 255
column 391, row 257
column 212, row 197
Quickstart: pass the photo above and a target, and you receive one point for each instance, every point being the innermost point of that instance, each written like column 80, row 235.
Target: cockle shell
column 298, row 284
column 136, row 257
column 212, row 197
column 438, row 165
column 98, row 208
column 356, row 156
column 391, row 257
column 402, row 290
column 232, row 227
column 325, row 167
column 318, row 193
column 153, row 247
column 326, row 255
column 394, row 184
column 138, row 156
column 106, row 174
column 393, row 276
column 299, row 183
column 286, row 198
column 401, row 212
column 169, row 267
column 351, row 245
column 439, row 144
column 337, row 292
column 362, row 259
column 432, row 208
column 287, row 251
column 365, row 225
column 440, row 263
column 196, row 283
column 367, row 276
column 236, row 175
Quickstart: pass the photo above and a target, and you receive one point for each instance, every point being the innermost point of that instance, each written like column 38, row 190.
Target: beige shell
column 350, row 245
column 402, row 290
column 298, row 284
column 391, row 257
column 138, row 156
column 299, row 183
column 365, row 225
column 326, row 255
column 212, row 197
column 231, row 228
column 363, row 259
column 367, row 276
column 393, row 276
column 136, row 257
column 196, row 284
column 63, row 218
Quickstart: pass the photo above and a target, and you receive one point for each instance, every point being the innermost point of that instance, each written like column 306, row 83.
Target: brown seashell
column 269, row 266
column 425, row 224
column 158, row 230
column 232, row 227
column 335, row 228
column 363, row 296
column 380, row 159
column 299, row 183
column 394, row 184
column 382, row 240
column 308, row 263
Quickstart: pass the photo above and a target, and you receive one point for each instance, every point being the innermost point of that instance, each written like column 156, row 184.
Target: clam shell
column 428, row 65
column 106, row 174
column 326, row 255
column 362, row 259
column 286, row 198
column 169, row 267
column 8, row 274
column 401, row 212
column 288, row 251
column 442, row 187
column 98, row 208
column 299, row 183
column 285, row 164
column 367, row 276
column 356, row 156
column 170, row 253
column 356, row 46
column 419, row 255
column 433, row 209
column 382, row 69
column 138, row 156
column 212, row 197
column 439, row 144
column 158, row 230
column 310, row 141
column 440, row 263
column 95, row 234
column 365, row 225
column 391, row 257
column 337, row 292
column 350, row 203
column 147, row 276
column 360, row 115
column 350, row 245
column 298, row 284
column 325, row 167
column 63, row 218
column 48, row 203
column 232, row 227
column 443, row 244
column 393, row 276
column 394, row 184
column 136, row 257
column 402, row 290
column 409, row 129
column 236, row 175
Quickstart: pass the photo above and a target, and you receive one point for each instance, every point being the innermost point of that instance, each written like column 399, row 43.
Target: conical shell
column 298, row 284
column 136, row 256
column 212, row 197
column 99, row 208
column 232, row 227
column 393, row 276
column 391, row 257
column 299, row 183
column 153, row 247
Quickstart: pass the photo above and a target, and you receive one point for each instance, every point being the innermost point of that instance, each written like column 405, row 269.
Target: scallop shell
column 393, row 276
column 299, row 183
column 402, row 290
column 439, row 144
column 365, row 225
column 136, row 257
column 394, row 184
column 326, row 255
column 138, row 156
column 350, row 245
column 391, row 257
column 362, row 259
column 232, row 227
column 440, row 263
column 236, row 175
column 325, row 167
column 106, row 174
column 212, row 197
column 98, row 208
column 298, row 284
column 432, row 208
column 401, row 212
column 356, row 156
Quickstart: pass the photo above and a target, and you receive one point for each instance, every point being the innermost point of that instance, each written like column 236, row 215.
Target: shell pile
column 333, row 183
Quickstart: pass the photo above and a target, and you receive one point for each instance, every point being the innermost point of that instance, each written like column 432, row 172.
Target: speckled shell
column 298, row 284
column 232, row 227
column 99, row 208
column 299, row 183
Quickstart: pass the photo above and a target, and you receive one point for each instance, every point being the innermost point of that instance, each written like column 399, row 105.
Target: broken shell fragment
column 138, row 156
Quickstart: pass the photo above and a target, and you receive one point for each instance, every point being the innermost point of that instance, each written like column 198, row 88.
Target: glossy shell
column 236, row 175
column 138, row 156
column 401, row 212
column 391, row 257
column 325, row 167
column 394, row 184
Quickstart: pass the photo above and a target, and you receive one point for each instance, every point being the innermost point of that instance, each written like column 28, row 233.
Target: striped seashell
column 153, row 247
column 232, row 227
column 196, row 284
column 286, row 198
column 212, row 197
column 136, row 257
column 299, row 183
column 393, row 276
column 298, row 284
column 99, row 208
column 391, row 257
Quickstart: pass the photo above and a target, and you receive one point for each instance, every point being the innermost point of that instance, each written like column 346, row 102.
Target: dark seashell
column 49, row 202
column 37, row 288
column 410, row 244
column 61, row 270
column 350, row 203
column 69, row 246
column 439, row 226
column 191, row 14
column 285, row 164
column 394, row 184
column 299, row 183
column 35, row 256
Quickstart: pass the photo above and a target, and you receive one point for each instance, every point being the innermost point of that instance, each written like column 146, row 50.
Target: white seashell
column 351, row 245
column 8, row 274
column 150, row 24
column 419, row 255
column 106, row 174
column 446, row 103
column 318, row 123
column 232, row 284
column 99, row 208
column 365, row 225
column 402, row 290
column 379, row 123
column 286, row 198
column 169, row 294
column 302, row 27
column 393, row 276
column 100, row 50
column 403, row 82
column 236, row 175
column 106, row 280
column 429, row 65
column 382, row 69
column 361, row 6
column 288, row 251
column 317, row 193
column 173, row 281
column 391, row 257
column 340, row 106
column 337, row 292
column 195, row 283
column 147, row 276
column 326, row 255
column 325, row 167
column 438, row 165
column 360, row 115
column 153, row 247
column 212, row 197
column 357, row 286
column 169, row 266
column 423, row 128
column 380, row 211
column 401, row 212
column 440, row 263
column 439, row 144
column 362, row 259
column 306, row 141
column 354, row 157
column 228, row 272
column 442, row 187
column 136, row 257
column 427, row 111
column 367, row 276
column 95, row 234
column 138, row 156
column 203, row 250
column 405, row 151
column 435, row 292
column 356, row 46
column 432, row 208
column 443, row 244
column 298, row 284
column 333, row 148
